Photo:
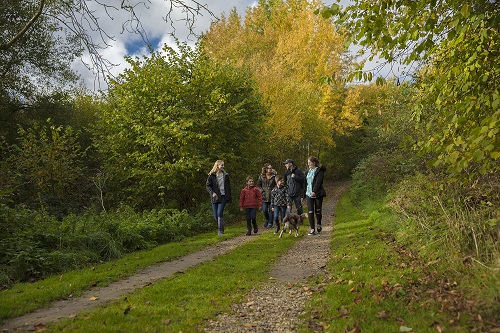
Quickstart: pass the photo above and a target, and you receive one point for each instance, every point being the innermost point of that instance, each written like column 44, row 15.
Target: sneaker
column 311, row 232
column 270, row 226
column 277, row 229
column 319, row 228
column 255, row 230
column 249, row 233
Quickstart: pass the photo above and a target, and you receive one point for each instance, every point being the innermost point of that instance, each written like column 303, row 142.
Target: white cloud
column 158, row 31
column 122, row 43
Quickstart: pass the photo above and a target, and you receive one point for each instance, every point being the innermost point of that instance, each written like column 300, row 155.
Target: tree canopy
column 457, row 47
column 168, row 118
column 289, row 77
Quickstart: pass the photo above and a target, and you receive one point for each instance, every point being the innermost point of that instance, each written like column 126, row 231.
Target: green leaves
column 456, row 44
column 168, row 119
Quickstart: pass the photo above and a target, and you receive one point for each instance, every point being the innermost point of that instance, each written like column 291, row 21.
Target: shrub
column 35, row 245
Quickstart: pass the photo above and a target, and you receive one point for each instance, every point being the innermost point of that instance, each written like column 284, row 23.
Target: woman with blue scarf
column 314, row 193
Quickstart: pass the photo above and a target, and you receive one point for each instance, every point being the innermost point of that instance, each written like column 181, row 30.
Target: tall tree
column 288, row 50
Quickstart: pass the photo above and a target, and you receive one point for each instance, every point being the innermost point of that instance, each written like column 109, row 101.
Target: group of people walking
column 274, row 194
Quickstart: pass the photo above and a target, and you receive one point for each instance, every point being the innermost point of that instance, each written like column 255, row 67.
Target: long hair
column 214, row 168
column 314, row 160
column 264, row 168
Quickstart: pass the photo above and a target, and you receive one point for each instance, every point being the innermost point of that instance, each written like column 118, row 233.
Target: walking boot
column 254, row 223
column 220, row 225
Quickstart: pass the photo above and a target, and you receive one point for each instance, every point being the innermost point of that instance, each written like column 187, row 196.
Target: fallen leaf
column 40, row 327
column 355, row 328
column 343, row 312
column 405, row 329
column 166, row 321
column 438, row 326
column 382, row 315
column 94, row 298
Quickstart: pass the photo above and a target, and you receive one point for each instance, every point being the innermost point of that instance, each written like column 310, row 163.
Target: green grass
column 375, row 285
column 183, row 302
column 27, row 297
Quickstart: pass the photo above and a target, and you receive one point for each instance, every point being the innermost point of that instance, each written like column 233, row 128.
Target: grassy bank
column 374, row 284
column 27, row 297
column 184, row 301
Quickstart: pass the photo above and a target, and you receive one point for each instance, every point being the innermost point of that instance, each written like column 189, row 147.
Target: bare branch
column 28, row 25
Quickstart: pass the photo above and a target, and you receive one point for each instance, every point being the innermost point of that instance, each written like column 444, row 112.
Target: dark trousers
column 251, row 215
column 297, row 200
column 314, row 208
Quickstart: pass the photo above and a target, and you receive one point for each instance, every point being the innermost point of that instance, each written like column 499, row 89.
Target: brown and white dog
column 292, row 222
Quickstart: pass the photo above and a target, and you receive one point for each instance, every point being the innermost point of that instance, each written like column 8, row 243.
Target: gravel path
column 272, row 307
column 276, row 306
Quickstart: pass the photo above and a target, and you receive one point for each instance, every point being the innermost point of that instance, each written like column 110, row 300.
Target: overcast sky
column 158, row 31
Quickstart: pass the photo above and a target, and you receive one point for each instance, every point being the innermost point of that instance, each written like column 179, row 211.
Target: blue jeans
column 218, row 208
column 279, row 214
column 266, row 209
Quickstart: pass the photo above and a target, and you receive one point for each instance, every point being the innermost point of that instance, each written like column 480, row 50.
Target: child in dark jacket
column 280, row 201
column 250, row 200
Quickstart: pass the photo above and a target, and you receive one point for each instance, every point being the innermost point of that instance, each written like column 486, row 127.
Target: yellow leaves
column 288, row 50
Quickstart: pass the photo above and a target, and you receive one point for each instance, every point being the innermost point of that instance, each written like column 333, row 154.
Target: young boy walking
column 280, row 201
column 250, row 200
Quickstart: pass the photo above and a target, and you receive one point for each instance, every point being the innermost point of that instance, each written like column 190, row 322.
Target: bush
column 442, row 214
column 35, row 245
column 376, row 174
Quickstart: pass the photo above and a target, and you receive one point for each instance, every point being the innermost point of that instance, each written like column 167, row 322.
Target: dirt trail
column 69, row 307
column 275, row 306
column 282, row 298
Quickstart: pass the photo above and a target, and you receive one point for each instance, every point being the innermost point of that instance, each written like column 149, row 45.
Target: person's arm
column 259, row 183
column 227, row 189
column 209, row 185
column 299, row 176
column 259, row 198
column 318, row 183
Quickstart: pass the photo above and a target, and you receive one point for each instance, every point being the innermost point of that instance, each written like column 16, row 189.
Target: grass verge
column 27, row 297
column 184, row 301
column 376, row 285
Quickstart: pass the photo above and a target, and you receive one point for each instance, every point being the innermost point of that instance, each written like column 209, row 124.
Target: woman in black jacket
column 219, row 188
column 314, row 193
